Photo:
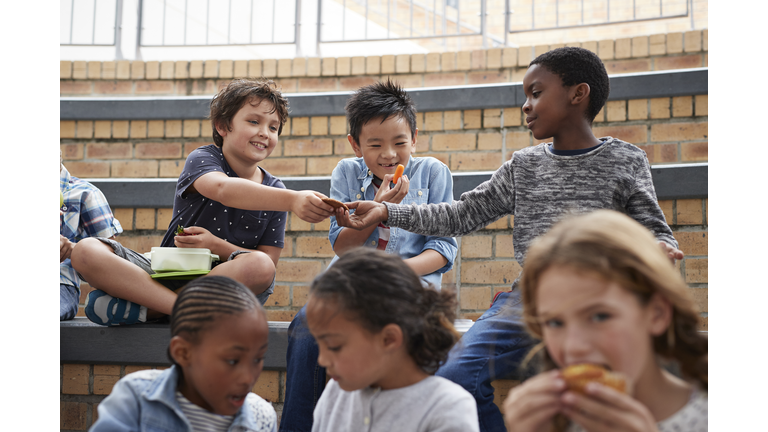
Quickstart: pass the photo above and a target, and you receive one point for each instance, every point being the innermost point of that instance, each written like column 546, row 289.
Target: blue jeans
column 305, row 379
column 69, row 298
column 493, row 348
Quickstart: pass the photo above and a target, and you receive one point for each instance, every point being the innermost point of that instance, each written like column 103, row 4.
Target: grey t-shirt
column 539, row 188
column 432, row 404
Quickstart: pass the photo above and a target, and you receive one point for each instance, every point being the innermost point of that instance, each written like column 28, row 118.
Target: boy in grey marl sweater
column 565, row 89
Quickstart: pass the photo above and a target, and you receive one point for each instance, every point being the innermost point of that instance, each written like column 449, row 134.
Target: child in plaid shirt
column 85, row 213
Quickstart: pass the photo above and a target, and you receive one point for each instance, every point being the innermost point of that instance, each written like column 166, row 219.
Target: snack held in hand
column 180, row 231
column 398, row 173
column 577, row 376
column 334, row 203
column 61, row 199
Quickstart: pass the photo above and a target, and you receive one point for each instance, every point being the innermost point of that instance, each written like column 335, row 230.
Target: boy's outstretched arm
column 366, row 213
column 247, row 195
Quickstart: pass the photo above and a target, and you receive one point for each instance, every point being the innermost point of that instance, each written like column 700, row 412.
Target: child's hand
column 65, row 248
column 531, row 405
column 366, row 213
column 309, row 206
column 394, row 195
column 604, row 409
column 196, row 237
column 672, row 253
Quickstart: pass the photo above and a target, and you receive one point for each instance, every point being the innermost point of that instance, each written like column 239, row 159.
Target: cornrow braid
column 203, row 300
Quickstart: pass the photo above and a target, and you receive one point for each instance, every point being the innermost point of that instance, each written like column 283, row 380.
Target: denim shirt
column 430, row 182
column 146, row 401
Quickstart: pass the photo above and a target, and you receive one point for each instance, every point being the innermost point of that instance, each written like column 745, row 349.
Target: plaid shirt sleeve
column 96, row 217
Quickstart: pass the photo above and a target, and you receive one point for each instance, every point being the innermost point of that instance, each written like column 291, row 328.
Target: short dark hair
column 380, row 100
column 575, row 66
column 230, row 99
column 375, row 288
column 205, row 299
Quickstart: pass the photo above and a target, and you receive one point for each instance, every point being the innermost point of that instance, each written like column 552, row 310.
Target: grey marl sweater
column 539, row 188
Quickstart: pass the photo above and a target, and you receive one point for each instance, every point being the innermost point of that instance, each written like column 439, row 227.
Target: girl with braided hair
column 598, row 291
column 218, row 342
column 382, row 334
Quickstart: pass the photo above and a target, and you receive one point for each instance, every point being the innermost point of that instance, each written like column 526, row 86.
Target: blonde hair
column 617, row 249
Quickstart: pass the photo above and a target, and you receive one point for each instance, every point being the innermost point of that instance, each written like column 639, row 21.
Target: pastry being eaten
column 577, row 376
column 335, row 203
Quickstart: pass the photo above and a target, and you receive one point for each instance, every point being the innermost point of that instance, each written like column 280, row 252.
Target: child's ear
column 222, row 128
column 580, row 92
column 660, row 314
column 392, row 336
column 413, row 141
column 180, row 350
column 355, row 146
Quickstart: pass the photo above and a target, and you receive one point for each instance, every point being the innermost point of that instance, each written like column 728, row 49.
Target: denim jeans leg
column 305, row 379
column 493, row 348
column 68, row 300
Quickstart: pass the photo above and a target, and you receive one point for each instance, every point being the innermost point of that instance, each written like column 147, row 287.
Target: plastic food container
column 180, row 259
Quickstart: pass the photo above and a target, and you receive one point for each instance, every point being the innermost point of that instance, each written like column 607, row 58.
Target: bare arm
column 426, row 262
column 247, row 195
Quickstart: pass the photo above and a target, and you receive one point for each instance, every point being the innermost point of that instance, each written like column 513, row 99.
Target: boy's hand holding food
column 395, row 194
column 309, row 206
column 197, row 237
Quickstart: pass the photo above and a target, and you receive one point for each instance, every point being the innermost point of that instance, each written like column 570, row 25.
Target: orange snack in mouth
column 577, row 376
column 398, row 173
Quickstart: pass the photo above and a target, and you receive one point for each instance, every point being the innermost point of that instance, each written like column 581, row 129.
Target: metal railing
column 90, row 22
column 554, row 14
column 175, row 23
column 370, row 20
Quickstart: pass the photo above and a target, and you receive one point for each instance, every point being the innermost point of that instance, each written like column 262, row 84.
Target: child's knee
column 85, row 250
column 259, row 269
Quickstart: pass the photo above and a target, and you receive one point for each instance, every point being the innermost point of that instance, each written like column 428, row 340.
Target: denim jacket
column 430, row 182
column 146, row 401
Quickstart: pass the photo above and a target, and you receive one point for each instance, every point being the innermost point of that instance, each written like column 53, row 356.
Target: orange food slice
column 398, row 173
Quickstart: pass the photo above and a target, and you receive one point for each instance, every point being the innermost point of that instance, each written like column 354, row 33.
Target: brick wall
column 138, row 78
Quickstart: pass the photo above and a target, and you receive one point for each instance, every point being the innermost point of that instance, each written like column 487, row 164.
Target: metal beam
column 684, row 82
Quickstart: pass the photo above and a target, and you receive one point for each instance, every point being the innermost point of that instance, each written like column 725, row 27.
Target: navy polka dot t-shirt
column 243, row 228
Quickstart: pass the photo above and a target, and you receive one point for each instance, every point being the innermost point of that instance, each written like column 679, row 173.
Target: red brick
column 72, row 415
column 147, row 168
column 279, row 297
column 170, row 169
column 102, row 129
column 191, row 128
column 164, row 216
column 689, row 212
column 667, row 207
column 517, row 140
column 143, row 243
column 693, row 243
column 300, row 295
column 696, row 270
column 637, row 109
column 88, row 169
column 489, row 141
column 113, row 87
column 145, row 218
column 660, row 153
column 475, row 297
column 679, row 131
column 355, row 82
column 138, row 129
column 636, row 134
column 68, row 88
column 75, row 379
column 433, row 121
column 454, row 142
column 477, row 246
column 476, row 161
column 317, row 84
column 285, row 166
column 190, row 146
column 108, row 150
column 132, row 368
column 473, row 119
column 84, row 129
column 501, row 391
column 682, row 106
column 71, row 151
column 154, row 87
column 321, row 165
column 505, row 247
column 488, row 77
column 314, row 247
column 501, row 223
column 307, row 147
column 444, row 79
column 694, row 152
column 489, row 272
column 125, row 216
column 120, row 128
column 678, row 62
column 102, row 385
column 701, row 298
column 158, row 150
column 268, row 386
column 155, row 129
column 627, row 66
column 297, row 271
column 280, row 315
column 701, row 102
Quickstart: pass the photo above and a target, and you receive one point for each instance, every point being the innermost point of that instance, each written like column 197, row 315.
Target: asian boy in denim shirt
column 382, row 120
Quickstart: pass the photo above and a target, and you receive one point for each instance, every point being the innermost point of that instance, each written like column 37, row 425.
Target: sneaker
column 103, row 309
